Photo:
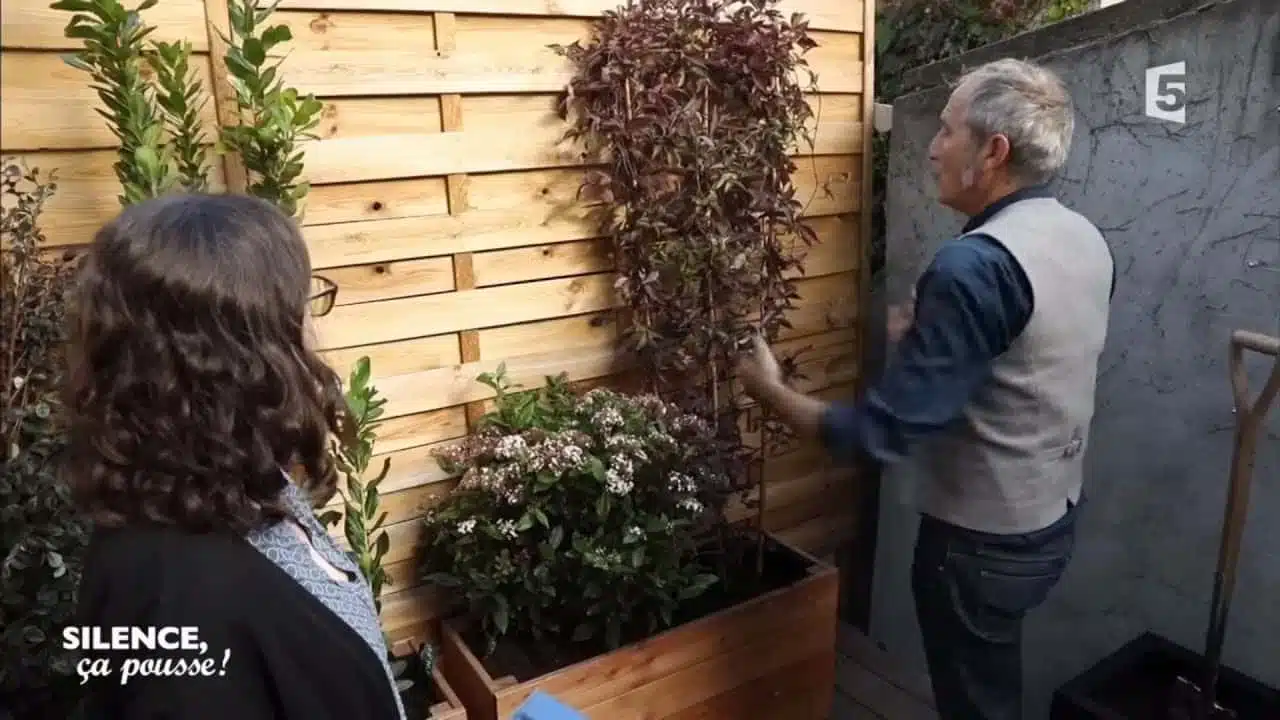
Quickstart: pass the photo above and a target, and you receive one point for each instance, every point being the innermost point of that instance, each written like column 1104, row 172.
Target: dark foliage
column 694, row 108
column 41, row 537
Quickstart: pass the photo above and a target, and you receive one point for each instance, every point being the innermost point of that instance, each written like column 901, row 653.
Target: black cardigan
column 291, row 657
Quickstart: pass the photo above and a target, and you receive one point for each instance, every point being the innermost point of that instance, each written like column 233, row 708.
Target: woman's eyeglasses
column 323, row 292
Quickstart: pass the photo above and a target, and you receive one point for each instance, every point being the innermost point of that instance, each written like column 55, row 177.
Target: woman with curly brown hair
column 193, row 388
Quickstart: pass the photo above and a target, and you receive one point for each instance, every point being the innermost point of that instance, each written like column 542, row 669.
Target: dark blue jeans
column 972, row 591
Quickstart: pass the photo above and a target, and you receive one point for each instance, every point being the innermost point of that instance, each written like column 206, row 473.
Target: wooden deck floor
column 872, row 685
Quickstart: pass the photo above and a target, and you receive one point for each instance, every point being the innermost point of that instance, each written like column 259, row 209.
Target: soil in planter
column 528, row 659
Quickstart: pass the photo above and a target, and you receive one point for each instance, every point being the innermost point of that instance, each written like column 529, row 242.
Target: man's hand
column 761, row 377
column 758, row 369
column 900, row 318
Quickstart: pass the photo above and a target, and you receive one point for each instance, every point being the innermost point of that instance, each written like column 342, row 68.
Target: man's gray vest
column 1012, row 461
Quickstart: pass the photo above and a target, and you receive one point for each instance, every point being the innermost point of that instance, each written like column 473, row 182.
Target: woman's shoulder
column 145, row 546
column 150, row 571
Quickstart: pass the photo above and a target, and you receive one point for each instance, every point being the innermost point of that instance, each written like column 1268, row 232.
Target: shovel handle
column 1256, row 342
column 1242, row 340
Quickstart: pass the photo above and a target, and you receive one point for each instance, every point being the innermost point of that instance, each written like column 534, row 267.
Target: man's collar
column 1026, row 193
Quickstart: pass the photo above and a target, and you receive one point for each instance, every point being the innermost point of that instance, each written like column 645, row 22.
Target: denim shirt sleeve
column 971, row 303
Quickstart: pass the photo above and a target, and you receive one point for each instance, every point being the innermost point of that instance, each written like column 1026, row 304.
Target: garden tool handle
column 1250, row 416
column 1256, row 342
column 1242, row 340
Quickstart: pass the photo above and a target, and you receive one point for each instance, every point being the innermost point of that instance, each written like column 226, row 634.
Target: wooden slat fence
column 443, row 206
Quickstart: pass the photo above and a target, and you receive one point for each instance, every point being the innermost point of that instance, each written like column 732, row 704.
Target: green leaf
column 526, row 522
column 501, row 613
column 275, row 35
column 697, row 586
column 597, row 469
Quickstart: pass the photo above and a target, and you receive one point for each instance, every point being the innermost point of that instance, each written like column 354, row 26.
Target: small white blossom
column 511, row 447
column 681, row 483
column 616, row 484
column 608, row 418
column 507, row 528
column 690, row 505
column 634, row 533
column 466, row 526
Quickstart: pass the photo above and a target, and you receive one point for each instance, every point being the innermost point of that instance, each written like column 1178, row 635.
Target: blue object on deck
column 541, row 706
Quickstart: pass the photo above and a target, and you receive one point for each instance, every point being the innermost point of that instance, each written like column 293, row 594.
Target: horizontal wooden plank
column 587, row 332
column 32, row 24
column 382, row 200
column 397, row 358
column 533, row 208
column 49, row 105
column 500, row 267
column 839, row 15
column 387, row 281
column 87, row 192
column 499, row 133
column 365, row 54
column 448, row 386
column 409, row 612
column 389, row 320
column 827, row 302
column 834, row 251
column 580, row 333
column 411, row 431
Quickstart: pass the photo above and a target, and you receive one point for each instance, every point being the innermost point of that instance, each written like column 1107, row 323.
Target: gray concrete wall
column 1192, row 212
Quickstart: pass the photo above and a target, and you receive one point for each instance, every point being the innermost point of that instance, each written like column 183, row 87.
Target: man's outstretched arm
column 972, row 302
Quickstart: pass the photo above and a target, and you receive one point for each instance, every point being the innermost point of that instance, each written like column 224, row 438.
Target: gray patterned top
column 351, row 601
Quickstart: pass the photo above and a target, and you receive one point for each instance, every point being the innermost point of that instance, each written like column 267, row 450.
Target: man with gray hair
column 992, row 385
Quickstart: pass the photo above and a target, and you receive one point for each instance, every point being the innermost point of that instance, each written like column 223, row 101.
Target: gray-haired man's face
column 953, row 153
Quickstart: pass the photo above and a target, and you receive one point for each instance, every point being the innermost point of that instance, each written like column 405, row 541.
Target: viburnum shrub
column 694, row 108
column 577, row 518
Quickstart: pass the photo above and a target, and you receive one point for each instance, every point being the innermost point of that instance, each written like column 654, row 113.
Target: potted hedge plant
column 423, row 689
column 587, row 540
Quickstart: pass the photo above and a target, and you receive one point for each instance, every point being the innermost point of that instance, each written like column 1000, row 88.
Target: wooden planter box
column 1137, row 682
column 773, row 656
column 448, row 709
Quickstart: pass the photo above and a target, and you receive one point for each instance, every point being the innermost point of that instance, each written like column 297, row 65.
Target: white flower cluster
column 681, row 483
column 690, row 505
column 511, row 447
column 608, row 418
column 620, row 477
